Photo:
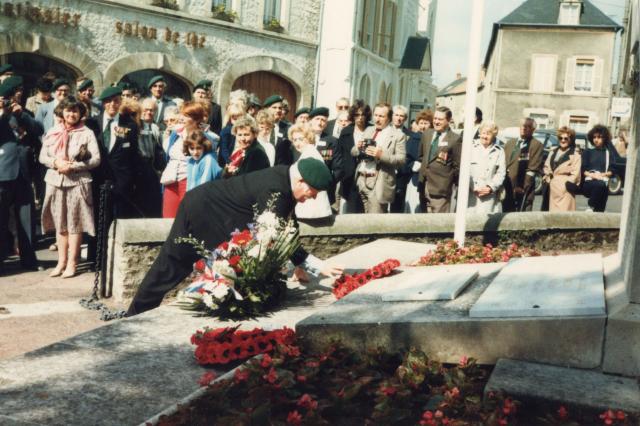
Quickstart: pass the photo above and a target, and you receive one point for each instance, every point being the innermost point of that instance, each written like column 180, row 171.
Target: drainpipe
column 315, row 85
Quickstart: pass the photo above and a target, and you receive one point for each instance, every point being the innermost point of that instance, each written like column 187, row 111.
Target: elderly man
column 279, row 139
column 524, row 158
column 232, row 201
column 439, row 157
column 86, row 90
column 15, row 184
column 380, row 153
column 157, row 86
column 342, row 105
column 327, row 146
column 412, row 145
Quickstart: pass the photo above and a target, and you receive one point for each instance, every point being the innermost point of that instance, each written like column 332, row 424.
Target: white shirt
column 269, row 149
column 114, row 124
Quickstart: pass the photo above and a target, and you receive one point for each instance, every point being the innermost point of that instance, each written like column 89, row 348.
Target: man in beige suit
column 379, row 155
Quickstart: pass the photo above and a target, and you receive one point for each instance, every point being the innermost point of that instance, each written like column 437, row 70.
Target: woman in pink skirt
column 69, row 150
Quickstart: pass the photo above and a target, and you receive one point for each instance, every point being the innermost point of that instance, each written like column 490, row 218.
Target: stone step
column 549, row 386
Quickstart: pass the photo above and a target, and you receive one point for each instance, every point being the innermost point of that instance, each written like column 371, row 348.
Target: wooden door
column 265, row 84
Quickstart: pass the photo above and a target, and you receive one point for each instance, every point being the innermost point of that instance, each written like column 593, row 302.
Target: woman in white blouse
column 487, row 171
column 304, row 141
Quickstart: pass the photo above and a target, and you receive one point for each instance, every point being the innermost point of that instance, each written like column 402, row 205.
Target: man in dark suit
column 279, row 136
column 202, row 93
column 157, row 86
column 524, row 158
column 412, row 145
column 232, row 201
column 328, row 147
column 117, row 137
column 439, row 155
column 342, row 105
column 15, row 178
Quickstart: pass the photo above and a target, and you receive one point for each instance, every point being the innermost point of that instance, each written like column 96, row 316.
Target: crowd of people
column 63, row 148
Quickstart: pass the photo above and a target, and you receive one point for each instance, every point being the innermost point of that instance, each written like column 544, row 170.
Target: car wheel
column 615, row 185
column 538, row 188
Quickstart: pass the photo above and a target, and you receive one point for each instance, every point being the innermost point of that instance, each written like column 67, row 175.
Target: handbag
column 83, row 154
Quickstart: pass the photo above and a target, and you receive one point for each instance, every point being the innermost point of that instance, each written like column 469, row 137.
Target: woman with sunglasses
column 562, row 172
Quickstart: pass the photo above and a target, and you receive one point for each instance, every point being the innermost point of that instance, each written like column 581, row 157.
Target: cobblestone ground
column 36, row 310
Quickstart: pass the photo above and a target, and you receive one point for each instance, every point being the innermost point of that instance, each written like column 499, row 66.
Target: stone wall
column 137, row 242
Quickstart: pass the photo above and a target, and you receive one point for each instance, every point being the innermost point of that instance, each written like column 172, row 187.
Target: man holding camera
column 379, row 155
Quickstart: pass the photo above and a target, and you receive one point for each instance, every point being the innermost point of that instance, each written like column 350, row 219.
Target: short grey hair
column 534, row 124
column 245, row 121
column 151, row 103
column 401, row 109
column 170, row 110
column 489, row 126
column 343, row 99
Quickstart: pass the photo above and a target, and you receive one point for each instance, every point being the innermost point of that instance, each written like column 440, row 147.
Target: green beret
column 154, row 80
column 5, row 68
column 9, row 86
column 303, row 110
column 273, row 99
column 110, row 92
column 85, row 85
column 315, row 173
column 203, row 84
column 60, row 82
column 254, row 101
column 319, row 111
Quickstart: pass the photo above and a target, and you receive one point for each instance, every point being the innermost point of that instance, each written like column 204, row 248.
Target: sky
column 453, row 19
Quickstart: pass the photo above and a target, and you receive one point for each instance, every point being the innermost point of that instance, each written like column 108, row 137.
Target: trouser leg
column 7, row 192
column 173, row 264
column 24, row 208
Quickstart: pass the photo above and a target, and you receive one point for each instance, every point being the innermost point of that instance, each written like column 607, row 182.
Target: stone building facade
column 552, row 61
column 377, row 51
column 109, row 41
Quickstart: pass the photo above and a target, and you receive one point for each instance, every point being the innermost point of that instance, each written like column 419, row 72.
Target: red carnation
column 224, row 246
column 233, row 262
column 242, row 238
column 200, row 265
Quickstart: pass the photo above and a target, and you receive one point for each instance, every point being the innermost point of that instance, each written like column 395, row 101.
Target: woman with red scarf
column 69, row 150
column 248, row 156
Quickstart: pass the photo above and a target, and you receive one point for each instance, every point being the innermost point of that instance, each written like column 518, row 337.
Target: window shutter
column 570, row 74
column 598, row 70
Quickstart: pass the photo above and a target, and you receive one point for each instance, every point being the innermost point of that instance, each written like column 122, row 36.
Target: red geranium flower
column 266, row 361
column 241, row 238
column 272, row 376
column 207, row 378
column 307, row 402
column 563, row 414
column 294, row 418
column 240, row 375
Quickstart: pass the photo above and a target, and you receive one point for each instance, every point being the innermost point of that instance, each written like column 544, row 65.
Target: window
column 271, row 11
column 569, row 13
column 579, row 123
column 377, row 31
column 543, row 73
column 225, row 3
column 541, row 119
column 584, row 75
column 365, row 88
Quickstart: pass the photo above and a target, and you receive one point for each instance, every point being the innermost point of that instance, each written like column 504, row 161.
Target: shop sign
column 40, row 14
column 134, row 29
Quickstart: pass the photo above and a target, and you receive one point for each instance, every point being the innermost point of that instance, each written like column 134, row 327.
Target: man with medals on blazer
column 284, row 149
column 117, row 137
column 327, row 146
column 524, row 158
column 439, row 157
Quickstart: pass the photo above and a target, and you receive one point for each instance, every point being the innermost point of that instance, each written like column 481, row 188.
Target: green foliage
column 274, row 25
column 220, row 12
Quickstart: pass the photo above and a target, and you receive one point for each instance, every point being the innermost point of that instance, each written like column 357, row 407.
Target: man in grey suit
column 380, row 154
column 15, row 182
column 157, row 86
column 44, row 115
column 439, row 155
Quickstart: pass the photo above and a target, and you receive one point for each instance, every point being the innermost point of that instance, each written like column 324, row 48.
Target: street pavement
column 36, row 310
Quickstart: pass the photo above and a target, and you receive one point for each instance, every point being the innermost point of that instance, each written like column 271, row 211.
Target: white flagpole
column 473, row 76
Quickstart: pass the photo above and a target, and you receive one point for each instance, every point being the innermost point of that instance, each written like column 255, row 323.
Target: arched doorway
column 176, row 88
column 365, row 89
column 265, row 84
column 31, row 66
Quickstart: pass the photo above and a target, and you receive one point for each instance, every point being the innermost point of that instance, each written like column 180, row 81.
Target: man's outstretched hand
column 300, row 275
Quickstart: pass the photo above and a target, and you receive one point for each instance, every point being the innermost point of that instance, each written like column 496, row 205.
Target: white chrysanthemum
column 220, row 291
column 268, row 220
column 207, row 299
column 223, row 268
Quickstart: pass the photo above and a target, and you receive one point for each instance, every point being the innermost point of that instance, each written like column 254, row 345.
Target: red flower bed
column 348, row 283
column 223, row 345
column 449, row 253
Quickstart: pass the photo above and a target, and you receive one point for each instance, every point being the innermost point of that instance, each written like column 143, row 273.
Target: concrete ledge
column 543, row 385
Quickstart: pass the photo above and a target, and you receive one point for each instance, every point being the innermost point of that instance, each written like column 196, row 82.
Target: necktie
column 433, row 151
column 156, row 117
column 106, row 134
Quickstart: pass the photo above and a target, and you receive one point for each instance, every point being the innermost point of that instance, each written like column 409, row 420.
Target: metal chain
column 92, row 303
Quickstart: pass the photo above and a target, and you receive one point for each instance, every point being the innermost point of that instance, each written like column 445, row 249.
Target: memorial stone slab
column 568, row 285
column 370, row 254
